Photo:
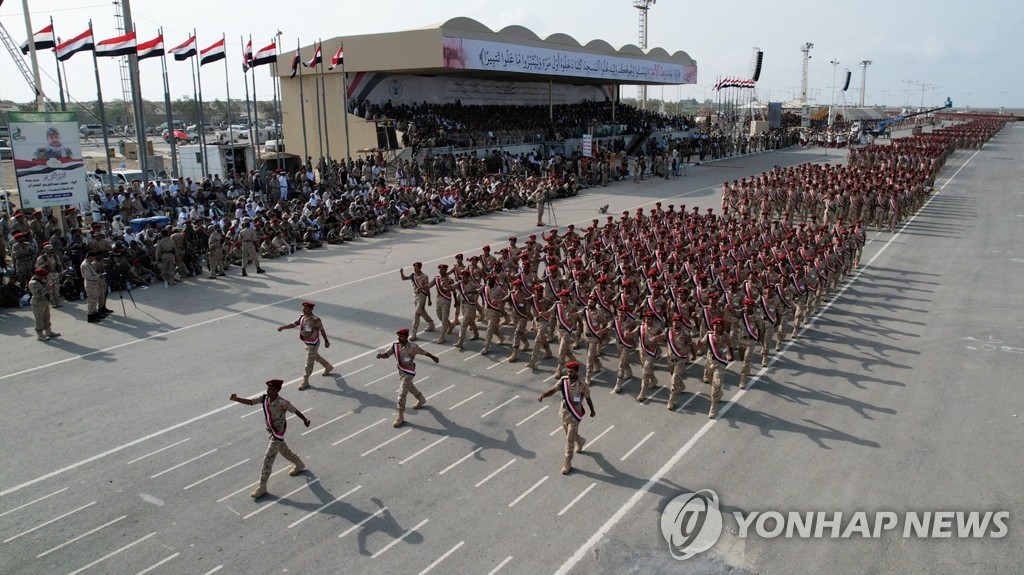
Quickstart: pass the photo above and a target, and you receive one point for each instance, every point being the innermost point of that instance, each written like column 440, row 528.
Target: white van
column 273, row 146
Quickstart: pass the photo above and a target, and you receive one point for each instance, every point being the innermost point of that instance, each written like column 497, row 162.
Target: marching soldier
column 679, row 343
column 565, row 321
column 405, row 353
column 494, row 303
column 595, row 330
column 41, row 300
column 625, row 339
column 421, row 297
column 521, row 304
column 771, row 321
column 468, row 294
column 752, row 328
column 445, row 296
column 573, row 390
column 650, row 341
column 275, row 410
column 541, row 326
column 311, row 329
column 719, row 355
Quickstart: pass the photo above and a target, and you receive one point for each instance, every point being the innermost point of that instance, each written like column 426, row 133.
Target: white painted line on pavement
column 395, row 438
column 311, row 430
column 582, row 551
column 325, row 506
column 251, row 485
column 495, row 472
column 557, row 429
column 40, row 526
column 521, row 371
column 529, row 417
column 637, row 446
column 158, row 451
column 33, row 501
column 693, row 396
column 461, row 459
column 500, row 565
column 225, row 470
column 288, row 415
column 353, row 434
column 157, row 564
column 363, row 522
column 86, row 534
column 656, row 392
column 576, row 499
column 437, row 393
column 499, row 407
column 477, row 354
column 182, row 464
column 403, row 462
column 351, row 373
column 282, row 498
column 214, row 570
column 495, row 364
column 437, row 561
column 444, row 351
column 111, row 554
column 399, row 540
column 378, row 379
column 599, row 436
column 475, row 395
column 529, row 491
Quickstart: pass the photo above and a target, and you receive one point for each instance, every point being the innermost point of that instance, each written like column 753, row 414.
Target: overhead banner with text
column 48, row 158
column 465, row 53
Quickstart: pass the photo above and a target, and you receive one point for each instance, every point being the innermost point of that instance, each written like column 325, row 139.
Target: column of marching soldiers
column 679, row 284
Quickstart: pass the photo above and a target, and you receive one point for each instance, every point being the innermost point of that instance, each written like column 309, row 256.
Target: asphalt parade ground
column 122, row 453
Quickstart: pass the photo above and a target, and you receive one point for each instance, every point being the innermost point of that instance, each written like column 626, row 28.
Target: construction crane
column 13, row 50
column 884, row 124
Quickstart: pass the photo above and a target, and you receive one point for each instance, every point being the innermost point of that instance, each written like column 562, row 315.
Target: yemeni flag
column 117, row 46
column 212, row 53
column 185, row 50
column 79, row 43
column 151, row 49
column 264, row 55
column 339, row 58
column 43, row 39
column 316, row 60
column 295, row 63
column 247, row 57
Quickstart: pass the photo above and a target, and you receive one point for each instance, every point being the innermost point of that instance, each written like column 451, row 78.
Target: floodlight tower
column 863, row 79
column 805, row 109
column 643, row 6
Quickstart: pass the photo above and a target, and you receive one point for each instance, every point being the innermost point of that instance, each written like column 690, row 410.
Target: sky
column 967, row 51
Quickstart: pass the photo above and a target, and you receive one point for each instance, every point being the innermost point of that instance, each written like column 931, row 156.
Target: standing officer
column 574, row 390
column 51, row 262
column 275, row 410
column 405, row 353
column 41, row 300
column 91, row 280
column 248, row 238
column 165, row 257
column 215, row 254
column 421, row 295
column 310, row 331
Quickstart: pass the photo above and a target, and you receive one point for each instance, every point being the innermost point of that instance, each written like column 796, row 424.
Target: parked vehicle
column 6, row 153
column 88, row 130
column 181, row 137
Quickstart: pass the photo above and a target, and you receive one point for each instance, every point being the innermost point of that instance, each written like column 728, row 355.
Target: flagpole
column 323, row 96
column 201, row 126
column 40, row 102
column 227, row 86
column 344, row 101
column 60, row 80
column 319, row 133
column 255, row 103
column 103, row 113
column 167, row 112
column 276, row 77
column 246, row 57
column 302, row 104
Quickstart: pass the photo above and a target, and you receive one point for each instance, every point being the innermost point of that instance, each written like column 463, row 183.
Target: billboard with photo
column 48, row 158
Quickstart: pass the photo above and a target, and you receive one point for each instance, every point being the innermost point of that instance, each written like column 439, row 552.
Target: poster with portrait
column 48, row 159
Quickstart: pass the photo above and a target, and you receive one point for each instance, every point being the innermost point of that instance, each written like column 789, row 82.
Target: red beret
column 417, row 264
column 275, row 383
column 553, row 267
column 308, row 304
column 487, row 248
column 712, row 296
column 42, row 272
column 442, row 266
column 717, row 321
column 623, row 308
column 572, row 365
column 748, row 301
column 517, row 282
column 678, row 317
column 403, row 331
column 538, row 287
column 649, row 314
column 563, row 292
column 136, row 261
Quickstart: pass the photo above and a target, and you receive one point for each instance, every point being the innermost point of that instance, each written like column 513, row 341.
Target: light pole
column 908, row 82
column 885, row 95
column 863, row 79
column 805, row 113
column 835, row 64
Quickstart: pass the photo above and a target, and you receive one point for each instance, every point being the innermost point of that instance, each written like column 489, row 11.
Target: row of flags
column 734, row 83
column 127, row 44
